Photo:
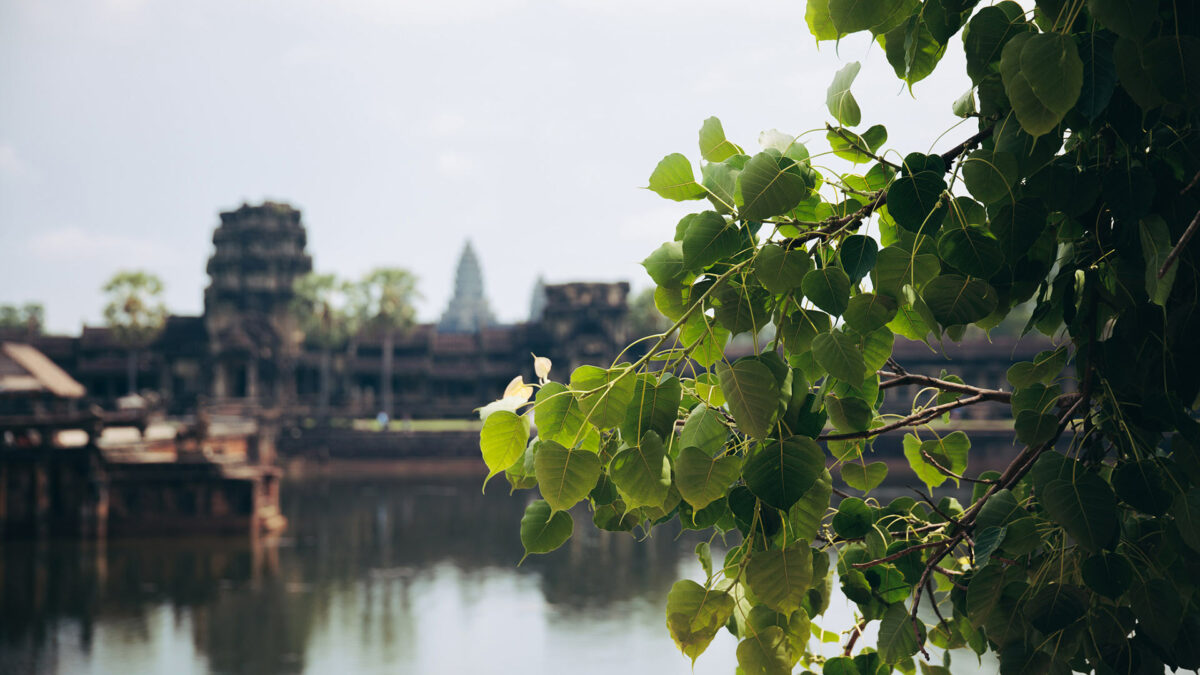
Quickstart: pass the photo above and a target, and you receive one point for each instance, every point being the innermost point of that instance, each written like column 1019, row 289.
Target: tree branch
column 952, row 154
column 897, row 555
column 902, row 379
column 1187, row 234
column 831, row 226
column 912, row 420
column 859, row 148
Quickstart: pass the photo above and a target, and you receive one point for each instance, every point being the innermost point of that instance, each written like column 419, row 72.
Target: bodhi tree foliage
column 1072, row 188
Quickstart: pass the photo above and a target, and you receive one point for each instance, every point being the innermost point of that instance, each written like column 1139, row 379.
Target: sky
column 400, row 129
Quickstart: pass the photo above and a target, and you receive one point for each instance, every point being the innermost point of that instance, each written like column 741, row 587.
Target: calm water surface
column 383, row 575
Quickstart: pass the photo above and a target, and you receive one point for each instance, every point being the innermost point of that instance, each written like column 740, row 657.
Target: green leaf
column 772, row 184
column 820, row 23
column 858, row 254
column 1035, row 428
column 849, row 414
column 1099, row 74
column 971, row 251
column 714, row 147
column 780, row 578
column 720, row 179
column 607, row 405
column 853, row 518
column 839, row 665
column 642, row 473
column 927, row 472
column 990, row 176
column 502, row 440
column 964, row 106
column 666, row 265
column 673, row 179
column 840, row 355
column 877, row 16
column 865, row 478
column 1186, row 513
column 800, row 327
column 781, row 472
column 1051, row 64
column 857, row 148
column 704, row 429
column 806, row 514
column 565, row 476
column 752, row 394
column 780, row 269
column 912, row 50
column 1085, row 507
column 987, row 33
column 703, row 479
column 767, row 652
column 709, row 238
column 899, row 638
column 897, row 267
column 558, row 415
column 1056, row 606
column 1035, row 397
column 838, row 98
column 868, row 311
column 1128, row 18
column 1036, row 116
column 705, row 338
column 1156, row 246
column 827, row 288
column 653, row 407
column 1109, row 574
column 543, row 530
column 955, row 299
column 695, row 615
column 915, row 202
column 742, row 308
column 1142, row 485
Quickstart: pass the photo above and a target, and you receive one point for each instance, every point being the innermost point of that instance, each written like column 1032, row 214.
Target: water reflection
column 382, row 575
column 385, row 575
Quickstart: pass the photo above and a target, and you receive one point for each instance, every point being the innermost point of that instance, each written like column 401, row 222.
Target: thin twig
column 855, row 633
column 947, row 472
column 1192, row 184
column 912, row 420
column 900, row 379
column 897, row 555
column 1187, row 234
column 859, row 148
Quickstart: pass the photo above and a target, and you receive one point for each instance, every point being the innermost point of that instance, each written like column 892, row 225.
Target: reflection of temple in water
column 363, row 551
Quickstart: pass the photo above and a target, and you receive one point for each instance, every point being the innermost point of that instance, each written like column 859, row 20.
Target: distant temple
column 468, row 310
column 247, row 348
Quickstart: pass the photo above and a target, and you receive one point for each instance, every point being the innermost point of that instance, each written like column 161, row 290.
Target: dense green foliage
column 1073, row 192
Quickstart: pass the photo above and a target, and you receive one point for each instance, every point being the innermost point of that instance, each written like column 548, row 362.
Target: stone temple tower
column 468, row 310
column 253, row 338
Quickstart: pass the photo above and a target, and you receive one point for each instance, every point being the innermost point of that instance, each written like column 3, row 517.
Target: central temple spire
column 468, row 310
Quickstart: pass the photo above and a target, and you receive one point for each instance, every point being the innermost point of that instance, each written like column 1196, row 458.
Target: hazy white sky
column 399, row 128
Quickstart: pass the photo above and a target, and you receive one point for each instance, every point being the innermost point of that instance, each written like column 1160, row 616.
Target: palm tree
column 385, row 302
column 135, row 313
column 320, row 306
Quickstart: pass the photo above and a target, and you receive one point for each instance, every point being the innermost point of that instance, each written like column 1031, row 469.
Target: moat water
column 379, row 575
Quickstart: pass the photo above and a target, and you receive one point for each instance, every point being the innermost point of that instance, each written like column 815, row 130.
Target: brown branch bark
column 897, row 555
column 903, row 379
column 912, row 420
column 1187, row 235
